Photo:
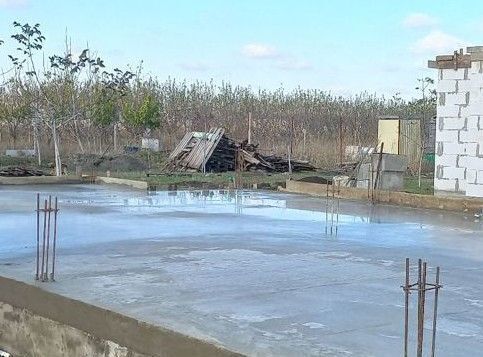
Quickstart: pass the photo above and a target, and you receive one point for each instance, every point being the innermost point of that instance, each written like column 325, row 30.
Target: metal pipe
column 435, row 313
column 52, row 275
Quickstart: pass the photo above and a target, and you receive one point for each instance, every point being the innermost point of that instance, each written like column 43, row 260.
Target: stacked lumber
column 254, row 161
column 218, row 153
column 16, row 171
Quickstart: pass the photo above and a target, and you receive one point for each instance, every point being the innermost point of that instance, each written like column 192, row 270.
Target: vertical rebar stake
column 52, row 275
column 38, row 238
column 327, row 207
column 338, row 207
column 419, row 344
column 332, row 208
column 46, row 274
column 435, row 312
column 43, row 241
column 406, row 309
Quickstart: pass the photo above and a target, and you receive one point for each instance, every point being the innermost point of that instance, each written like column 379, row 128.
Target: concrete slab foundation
column 254, row 272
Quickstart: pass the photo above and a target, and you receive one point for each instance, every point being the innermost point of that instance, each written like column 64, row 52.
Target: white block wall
column 459, row 131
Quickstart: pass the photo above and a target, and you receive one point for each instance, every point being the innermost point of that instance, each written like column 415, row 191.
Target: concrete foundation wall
column 457, row 204
column 24, row 334
column 34, row 322
column 459, row 129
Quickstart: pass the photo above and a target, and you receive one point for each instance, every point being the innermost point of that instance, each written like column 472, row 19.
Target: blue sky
column 340, row 46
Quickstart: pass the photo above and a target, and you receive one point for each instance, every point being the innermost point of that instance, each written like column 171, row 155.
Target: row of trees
column 72, row 104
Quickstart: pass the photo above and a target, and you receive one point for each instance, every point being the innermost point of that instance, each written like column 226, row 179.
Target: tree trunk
column 58, row 163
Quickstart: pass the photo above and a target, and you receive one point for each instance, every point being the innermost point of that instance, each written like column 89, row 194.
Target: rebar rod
column 338, row 208
column 46, row 277
column 327, row 207
column 38, row 238
column 52, row 275
column 406, row 309
column 419, row 344
column 43, row 240
column 435, row 313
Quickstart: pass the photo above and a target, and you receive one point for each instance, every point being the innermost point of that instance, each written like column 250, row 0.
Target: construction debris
column 16, row 171
column 215, row 152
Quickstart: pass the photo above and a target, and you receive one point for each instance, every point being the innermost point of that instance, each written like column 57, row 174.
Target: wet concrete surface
column 255, row 271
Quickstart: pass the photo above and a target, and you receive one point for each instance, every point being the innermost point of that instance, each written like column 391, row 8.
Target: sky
column 345, row 46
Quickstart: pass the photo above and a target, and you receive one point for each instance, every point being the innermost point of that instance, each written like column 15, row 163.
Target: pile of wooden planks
column 215, row 152
column 17, row 171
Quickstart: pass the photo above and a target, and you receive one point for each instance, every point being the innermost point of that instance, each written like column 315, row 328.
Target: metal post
column 52, row 275
column 38, row 238
column 406, row 309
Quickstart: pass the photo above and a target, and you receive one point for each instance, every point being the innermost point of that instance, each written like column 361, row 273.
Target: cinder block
column 476, row 107
column 447, row 136
column 475, row 67
column 446, row 86
column 455, row 99
column 454, row 149
column 454, row 73
column 479, row 177
column 471, row 136
column 445, row 185
column 454, row 172
column 465, row 85
column 453, row 123
column 471, row 175
column 474, row 190
column 472, row 123
column 461, row 185
column 470, row 162
column 448, row 110
column 446, row 160
column 470, row 149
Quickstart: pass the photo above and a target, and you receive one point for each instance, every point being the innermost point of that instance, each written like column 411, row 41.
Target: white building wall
column 459, row 130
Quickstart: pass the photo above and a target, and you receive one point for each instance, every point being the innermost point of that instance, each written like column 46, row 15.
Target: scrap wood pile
column 16, row 171
column 218, row 153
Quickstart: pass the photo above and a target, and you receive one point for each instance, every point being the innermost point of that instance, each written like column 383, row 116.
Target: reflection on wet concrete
column 254, row 270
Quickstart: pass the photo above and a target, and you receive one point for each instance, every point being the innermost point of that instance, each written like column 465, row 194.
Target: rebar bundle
column 44, row 237
column 421, row 286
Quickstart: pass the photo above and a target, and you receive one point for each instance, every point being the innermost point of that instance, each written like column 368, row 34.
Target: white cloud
column 419, row 20
column 259, row 51
column 13, row 3
column 437, row 42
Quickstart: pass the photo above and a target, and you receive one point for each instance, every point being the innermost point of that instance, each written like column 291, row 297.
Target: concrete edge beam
column 141, row 185
column 447, row 203
column 136, row 335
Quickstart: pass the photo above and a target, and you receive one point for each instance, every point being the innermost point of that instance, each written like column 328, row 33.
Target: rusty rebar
column 327, row 207
column 419, row 345
column 43, row 240
column 338, row 207
column 46, row 276
column 52, row 275
column 38, row 238
column 435, row 312
column 406, row 309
